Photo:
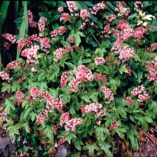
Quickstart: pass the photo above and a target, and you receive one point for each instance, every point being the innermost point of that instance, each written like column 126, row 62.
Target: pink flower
column 126, row 53
column 62, row 30
column 65, row 17
column 84, row 14
column 72, row 6
column 4, row 76
column 138, row 90
column 64, row 118
column 122, row 10
column 128, row 100
column 45, row 43
column 99, row 60
column 139, row 32
column 34, row 92
column 83, row 73
column 72, row 123
column 107, row 28
column 143, row 97
column 60, row 9
column 152, row 70
column 100, row 77
column 64, row 79
column 123, row 24
column 12, row 65
column 42, row 23
column 93, row 107
column 74, row 84
column 98, row 7
column 23, row 43
column 61, row 51
column 114, row 125
column 107, row 93
column 110, row 18
column 117, row 45
column 54, row 34
column 20, row 96
column 59, row 104
column 30, row 20
column 30, row 53
column 153, row 46
column 127, row 33
column 9, row 37
column 41, row 117
column 71, row 40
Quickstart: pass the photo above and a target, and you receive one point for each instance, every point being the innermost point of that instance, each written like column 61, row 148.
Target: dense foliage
column 85, row 75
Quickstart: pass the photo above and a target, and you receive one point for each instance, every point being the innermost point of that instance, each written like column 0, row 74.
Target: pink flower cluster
column 117, row 45
column 72, row 6
column 122, row 10
column 71, row 40
column 114, row 125
column 153, row 46
column 45, row 43
column 12, row 65
column 125, row 53
column 60, row 31
column 99, row 60
column 69, row 123
column 65, row 17
column 128, row 100
column 30, row 53
column 94, row 107
column 84, row 14
column 83, row 74
column 42, row 23
column 31, row 23
column 97, row 7
column 9, row 37
column 152, row 70
column 107, row 93
column 51, row 102
column 34, row 91
column 107, row 29
column 19, row 97
column 64, row 118
column 72, row 123
column 110, row 18
column 4, row 76
column 61, row 51
column 139, row 32
column 100, row 77
column 22, row 43
column 41, row 117
column 64, row 79
column 140, row 92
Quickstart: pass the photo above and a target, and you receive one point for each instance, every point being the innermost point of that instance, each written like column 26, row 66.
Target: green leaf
column 24, row 25
column 123, row 69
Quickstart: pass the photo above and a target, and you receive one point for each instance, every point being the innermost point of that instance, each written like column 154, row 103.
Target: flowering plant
column 81, row 81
